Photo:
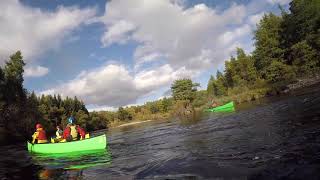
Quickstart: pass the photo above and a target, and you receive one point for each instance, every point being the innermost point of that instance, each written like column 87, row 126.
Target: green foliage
column 305, row 58
column 279, row 72
column 14, row 68
column 2, row 87
column 267, row 42
column 200, row 99
column 302, row 23
column 83, row 118
column 95, row 121
column 219, row 88
column 246, row 69
column 124, row 114
column 13, row 98
column 165, row 104
column 184, row 89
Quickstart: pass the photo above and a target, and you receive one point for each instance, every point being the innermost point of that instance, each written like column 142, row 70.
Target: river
column 274, row 138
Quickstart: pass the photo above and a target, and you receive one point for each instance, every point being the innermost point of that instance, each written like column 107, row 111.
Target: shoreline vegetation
column 286, row 57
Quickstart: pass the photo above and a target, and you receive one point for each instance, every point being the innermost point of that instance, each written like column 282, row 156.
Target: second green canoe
column 229, row 107
column 94, row 143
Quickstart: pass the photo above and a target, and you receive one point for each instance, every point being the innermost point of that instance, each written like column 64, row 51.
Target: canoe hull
column 95, row 143
column 229, row 107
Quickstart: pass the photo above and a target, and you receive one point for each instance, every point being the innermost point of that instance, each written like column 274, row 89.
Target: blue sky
column 122, row 52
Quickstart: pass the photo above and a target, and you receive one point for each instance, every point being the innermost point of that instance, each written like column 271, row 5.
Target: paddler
column 213, row 104
column 70, row 132
column 82, row 132
column 39, row 135
column 59, row 133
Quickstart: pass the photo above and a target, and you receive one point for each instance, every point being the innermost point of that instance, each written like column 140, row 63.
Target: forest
column 287, row 47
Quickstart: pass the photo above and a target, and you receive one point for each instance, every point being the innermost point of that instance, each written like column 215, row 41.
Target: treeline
column 184, row 97
column 21, row 110
column 14, row 102
column 149, row 111
column 286, row 47
column 54, row 110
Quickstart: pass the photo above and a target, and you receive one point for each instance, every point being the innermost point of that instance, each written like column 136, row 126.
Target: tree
column 82, row 118
column 184, row 89
column 302, row 23
column 164, row 104
column 219, row 86
column 13, row 72
column 14, row 93
column 2, row 96
column 267, row 42
column 279, row 72
column 123, row 114
column 230, row 72
column 304, row 58
column 2, row 86
column 246, row 68
column 210, row 88
column 14, row 68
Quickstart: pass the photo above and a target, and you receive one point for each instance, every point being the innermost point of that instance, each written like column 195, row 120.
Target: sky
column 113, row 53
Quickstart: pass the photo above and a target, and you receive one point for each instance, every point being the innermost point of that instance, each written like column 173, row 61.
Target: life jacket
column 81, row 132
column 66, row 133
column 73, row 132
column 42, row 138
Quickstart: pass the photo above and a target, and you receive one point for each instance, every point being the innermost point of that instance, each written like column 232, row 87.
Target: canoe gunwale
column 98, row 142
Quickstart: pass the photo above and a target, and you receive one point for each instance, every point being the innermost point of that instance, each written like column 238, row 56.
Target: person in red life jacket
column 67, row 133
column 82, row 132
column 39, row 135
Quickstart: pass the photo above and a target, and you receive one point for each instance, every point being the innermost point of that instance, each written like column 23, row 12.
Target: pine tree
column 210, row 90
column 267, row 42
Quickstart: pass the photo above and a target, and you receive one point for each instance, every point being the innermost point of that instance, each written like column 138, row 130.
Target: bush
column 279, row 72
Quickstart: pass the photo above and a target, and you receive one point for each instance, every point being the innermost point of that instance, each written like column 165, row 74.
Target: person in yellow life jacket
column 70, row 133
column 73, row 132
column 39, row 135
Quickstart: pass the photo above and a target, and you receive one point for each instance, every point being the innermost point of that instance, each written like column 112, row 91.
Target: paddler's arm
column 34, row 137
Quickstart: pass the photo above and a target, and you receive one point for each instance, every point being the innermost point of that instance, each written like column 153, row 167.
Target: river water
column 274, row 138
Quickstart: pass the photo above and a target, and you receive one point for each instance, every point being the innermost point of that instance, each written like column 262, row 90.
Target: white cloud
column 255, row 19
column 93, row 108
column 118, row 33
column 109, row 85
column 281, row 2
column 112, row 85
column 35, row 71
column 164, row 28
column 34, row 31
column 229, row 36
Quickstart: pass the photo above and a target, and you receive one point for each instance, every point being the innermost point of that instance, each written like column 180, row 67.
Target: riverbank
column 246, row 94
column 302, row 82
column 239, row 95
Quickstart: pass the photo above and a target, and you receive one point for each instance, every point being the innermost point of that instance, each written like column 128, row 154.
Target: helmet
column 71, row 120
column 38, row 126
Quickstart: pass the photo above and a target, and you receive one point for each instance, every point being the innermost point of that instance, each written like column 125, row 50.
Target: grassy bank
column 245, row 94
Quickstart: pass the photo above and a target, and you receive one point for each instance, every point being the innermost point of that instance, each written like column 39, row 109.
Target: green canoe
column 94, row 143
column 229, row 107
